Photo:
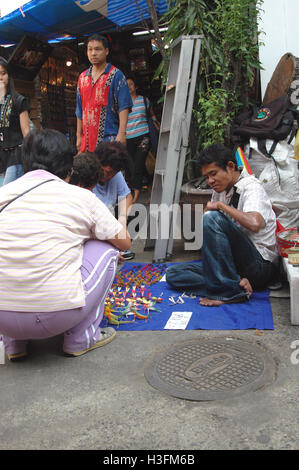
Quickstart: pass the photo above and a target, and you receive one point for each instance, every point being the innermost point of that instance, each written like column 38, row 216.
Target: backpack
column 274, row 121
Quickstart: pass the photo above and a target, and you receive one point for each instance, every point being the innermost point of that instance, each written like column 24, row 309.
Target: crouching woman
column 58, row 253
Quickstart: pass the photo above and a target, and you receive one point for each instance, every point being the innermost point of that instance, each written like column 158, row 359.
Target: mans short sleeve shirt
column 253, row 198
column 119, row 98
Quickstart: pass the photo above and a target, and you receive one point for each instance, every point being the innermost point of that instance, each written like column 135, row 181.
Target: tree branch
column 155, row 22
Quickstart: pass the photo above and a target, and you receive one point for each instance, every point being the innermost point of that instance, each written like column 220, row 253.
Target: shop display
column 28, row 57
column 58, row 96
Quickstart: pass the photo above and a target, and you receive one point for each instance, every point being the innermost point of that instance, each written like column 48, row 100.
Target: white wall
column 280, row 22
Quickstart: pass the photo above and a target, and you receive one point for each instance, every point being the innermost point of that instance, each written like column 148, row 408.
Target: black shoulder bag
column 154, row 134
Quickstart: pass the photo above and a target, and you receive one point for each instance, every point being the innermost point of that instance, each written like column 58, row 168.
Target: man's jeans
column 228, row 256
column 12, row 173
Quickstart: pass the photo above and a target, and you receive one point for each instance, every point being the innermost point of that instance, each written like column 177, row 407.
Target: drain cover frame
column 197, row 369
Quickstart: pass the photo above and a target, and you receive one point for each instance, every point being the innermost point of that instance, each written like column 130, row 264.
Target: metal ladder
column 173, row 143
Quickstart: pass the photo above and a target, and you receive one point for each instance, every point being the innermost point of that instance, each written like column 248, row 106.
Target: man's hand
column 78, row 143
column 212, row 206
column 79, row 133
column 123, row 121
column 250, row 220
column 121, row 137
column 121, row 259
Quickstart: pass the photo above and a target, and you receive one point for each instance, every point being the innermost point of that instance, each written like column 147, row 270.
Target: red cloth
column 94, row 102
column 279, row 227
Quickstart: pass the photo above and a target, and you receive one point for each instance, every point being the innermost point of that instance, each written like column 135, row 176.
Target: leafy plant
column 228, row 63
column 212, row 117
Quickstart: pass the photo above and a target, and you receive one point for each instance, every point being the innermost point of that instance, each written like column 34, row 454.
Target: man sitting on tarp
column 239, row 249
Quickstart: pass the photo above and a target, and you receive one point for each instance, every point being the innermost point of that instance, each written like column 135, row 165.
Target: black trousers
column 138, row 148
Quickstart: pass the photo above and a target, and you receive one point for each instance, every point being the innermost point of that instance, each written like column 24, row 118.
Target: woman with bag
column 14, row 125
column 58, row 253
column 140, row 122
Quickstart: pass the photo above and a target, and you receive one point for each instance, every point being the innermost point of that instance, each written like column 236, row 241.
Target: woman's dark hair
column 131, row 77
column 85, row 171
column 134, row 80
column 115, row 155
column 11, row 86
column 99, row 37
column 48, row 150
column 218, row 154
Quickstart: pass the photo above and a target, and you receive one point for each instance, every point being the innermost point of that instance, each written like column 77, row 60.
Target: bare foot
column 205, row 301
column 246, row 285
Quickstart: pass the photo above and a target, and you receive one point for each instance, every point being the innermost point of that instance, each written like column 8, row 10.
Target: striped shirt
column 137, row 121
column 41, row 242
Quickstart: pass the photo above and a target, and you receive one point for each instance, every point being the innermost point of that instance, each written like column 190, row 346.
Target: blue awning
column 49, row 19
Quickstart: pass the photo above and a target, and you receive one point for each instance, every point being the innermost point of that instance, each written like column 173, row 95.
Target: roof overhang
column 63, row 19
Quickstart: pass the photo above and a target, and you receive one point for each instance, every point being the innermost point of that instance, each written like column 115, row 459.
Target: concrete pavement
column 102, row 401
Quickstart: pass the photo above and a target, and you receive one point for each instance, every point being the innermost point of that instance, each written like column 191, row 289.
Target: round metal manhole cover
column 210, row 369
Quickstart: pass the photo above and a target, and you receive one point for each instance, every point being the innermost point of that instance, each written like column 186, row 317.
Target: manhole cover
column 210, row 369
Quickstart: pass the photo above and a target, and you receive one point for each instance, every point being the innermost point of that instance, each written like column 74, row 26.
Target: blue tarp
column 254, row 314
column 49, row 19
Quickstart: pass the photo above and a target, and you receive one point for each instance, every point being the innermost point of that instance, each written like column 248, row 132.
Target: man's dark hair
column 218, row 154
column 85, row 171
column 48, row 150
column 99, row 37
column 115, row 155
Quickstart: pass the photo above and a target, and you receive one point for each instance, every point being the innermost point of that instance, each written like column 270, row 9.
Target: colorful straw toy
column 242, row 160
column 129, row 299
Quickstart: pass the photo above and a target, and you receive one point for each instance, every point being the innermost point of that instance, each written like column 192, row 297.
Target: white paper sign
column 178, row 321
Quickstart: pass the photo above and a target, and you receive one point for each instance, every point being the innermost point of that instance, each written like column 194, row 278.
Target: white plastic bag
column 279, row 176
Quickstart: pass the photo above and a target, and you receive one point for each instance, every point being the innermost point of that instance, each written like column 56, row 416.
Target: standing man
column 103, row 99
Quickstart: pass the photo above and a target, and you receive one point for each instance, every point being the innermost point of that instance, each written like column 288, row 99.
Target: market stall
column 50, row 52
